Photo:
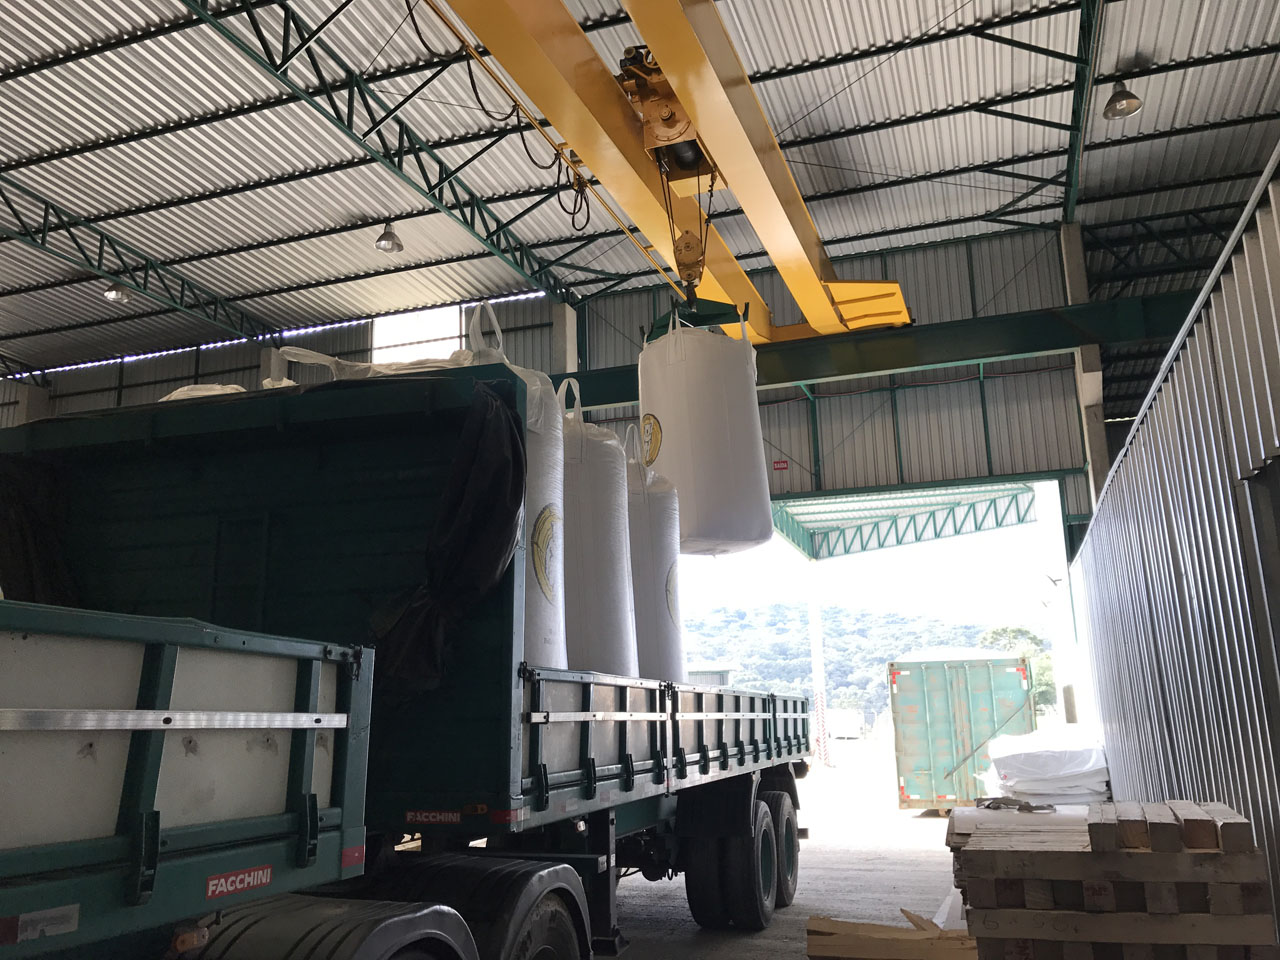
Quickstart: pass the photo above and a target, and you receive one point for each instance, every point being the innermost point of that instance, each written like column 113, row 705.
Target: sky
column 1002, row 577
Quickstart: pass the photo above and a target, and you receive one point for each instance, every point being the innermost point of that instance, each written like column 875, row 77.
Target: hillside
column 768, row 648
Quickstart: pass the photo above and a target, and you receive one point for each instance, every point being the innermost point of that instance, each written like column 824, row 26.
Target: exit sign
column 781, row 465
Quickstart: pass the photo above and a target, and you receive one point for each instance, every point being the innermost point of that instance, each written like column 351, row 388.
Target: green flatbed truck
column 262, row 788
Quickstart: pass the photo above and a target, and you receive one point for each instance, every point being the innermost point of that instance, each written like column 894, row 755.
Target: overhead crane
column 680, row 113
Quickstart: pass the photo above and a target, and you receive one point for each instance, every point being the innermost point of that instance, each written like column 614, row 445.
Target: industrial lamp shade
column 388, row 242
column 1122, row 103
column 117, row 292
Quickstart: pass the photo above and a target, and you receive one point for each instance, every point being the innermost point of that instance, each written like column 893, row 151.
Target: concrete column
column 271, row 366
column 1074, row 276
column 564, row 338
column 1089, row 395
column 33, row 403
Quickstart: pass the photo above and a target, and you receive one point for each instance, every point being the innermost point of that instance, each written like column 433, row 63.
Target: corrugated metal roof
column 271, row 173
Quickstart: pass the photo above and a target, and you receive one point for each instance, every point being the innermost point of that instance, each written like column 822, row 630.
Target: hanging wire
column 874, row 67
column 475, row 92
column 431, row 52
column 568, row 177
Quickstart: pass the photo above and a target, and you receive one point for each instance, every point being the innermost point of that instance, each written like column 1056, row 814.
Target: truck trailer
column 258, row 700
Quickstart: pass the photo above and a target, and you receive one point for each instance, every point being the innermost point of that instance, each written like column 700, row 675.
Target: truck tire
column 548, row 933
column 503, row 900
column 750, row 873
column 702, row 884
column 783, row 813
column 328, row 928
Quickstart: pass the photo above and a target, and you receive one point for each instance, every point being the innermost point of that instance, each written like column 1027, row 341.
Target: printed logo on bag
column 651, row 437
column 238, row 881
column 671, row 593
column 432, row 816
column 544, row 533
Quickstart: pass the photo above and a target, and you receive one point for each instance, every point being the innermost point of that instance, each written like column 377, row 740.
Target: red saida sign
column 781, row 465
column 432, row 816
column 238, row 881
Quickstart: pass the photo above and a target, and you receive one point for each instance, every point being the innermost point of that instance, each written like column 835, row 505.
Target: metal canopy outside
column 822, row 527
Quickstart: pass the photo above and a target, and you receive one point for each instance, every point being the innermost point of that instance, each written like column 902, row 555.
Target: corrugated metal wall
column 1179, row 567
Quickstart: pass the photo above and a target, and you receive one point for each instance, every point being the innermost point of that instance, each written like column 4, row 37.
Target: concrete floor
column 864, row 860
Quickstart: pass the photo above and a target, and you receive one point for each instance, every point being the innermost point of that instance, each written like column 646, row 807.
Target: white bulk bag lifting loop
column 654, row 520
column 600, row 626
column 700, row 426
column 544, row 641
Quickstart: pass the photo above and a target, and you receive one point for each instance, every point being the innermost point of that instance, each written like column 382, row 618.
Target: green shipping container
column 945, row 713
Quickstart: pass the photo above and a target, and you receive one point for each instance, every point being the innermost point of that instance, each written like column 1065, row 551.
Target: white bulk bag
column 193, row 390
column 654, row 517
column 600, row 623
column 355, row 370
column 700, row 425
column 544, row 640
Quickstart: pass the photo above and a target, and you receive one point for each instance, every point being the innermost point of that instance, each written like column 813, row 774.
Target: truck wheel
column 783, row 813
column 547, row 933
column 702, row 883
column 751, row 873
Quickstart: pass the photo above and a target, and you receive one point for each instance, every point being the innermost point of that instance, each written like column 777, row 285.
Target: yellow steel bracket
column 866, row 305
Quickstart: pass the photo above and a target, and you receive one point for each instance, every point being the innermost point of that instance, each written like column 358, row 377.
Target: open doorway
column 1000, row 590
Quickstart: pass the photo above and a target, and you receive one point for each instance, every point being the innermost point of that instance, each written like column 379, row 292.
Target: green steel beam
column 876, row 352
column 1139, row 272
column 397, row 147
column 1091, row 16
column 1022, row 117
column 41, row 224
column 1029, row 47
column 1010, row 206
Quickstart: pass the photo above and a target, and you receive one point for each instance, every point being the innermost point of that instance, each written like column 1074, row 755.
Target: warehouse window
column 419, row 335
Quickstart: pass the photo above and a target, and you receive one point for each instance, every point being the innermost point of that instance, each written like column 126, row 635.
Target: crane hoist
column 678, row 119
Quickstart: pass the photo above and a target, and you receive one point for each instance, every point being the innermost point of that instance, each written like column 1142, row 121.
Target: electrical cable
column 475, row 92
column 413, row 17
column 566, row 177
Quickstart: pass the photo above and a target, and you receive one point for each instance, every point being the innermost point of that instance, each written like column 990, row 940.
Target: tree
column 1023, row 643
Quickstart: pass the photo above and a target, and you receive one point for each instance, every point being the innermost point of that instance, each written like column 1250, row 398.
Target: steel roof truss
column 402, row 151
column 62, row 234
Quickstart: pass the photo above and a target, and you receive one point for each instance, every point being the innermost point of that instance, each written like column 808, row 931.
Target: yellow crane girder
column 690, row 42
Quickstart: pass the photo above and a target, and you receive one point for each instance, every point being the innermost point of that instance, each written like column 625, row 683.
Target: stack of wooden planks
column 1137, row 881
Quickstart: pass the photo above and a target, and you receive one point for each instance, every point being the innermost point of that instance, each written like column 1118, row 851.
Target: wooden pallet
column 924, row 940
column 1173, row 881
